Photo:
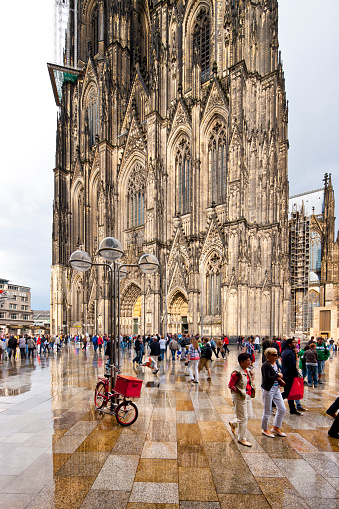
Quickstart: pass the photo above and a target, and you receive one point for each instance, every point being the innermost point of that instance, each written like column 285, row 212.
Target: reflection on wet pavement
column 58, row 451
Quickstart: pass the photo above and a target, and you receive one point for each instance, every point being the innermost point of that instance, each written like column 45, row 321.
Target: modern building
column 16, row 316
column 172, row 137
column 314, row 260
column 41, row 322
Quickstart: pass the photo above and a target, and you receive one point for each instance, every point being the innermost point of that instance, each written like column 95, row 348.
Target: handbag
column 252, row 391
column 159, row 358
column 297, row 389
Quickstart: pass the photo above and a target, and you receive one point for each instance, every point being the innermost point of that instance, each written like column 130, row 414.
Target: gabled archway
column 178, row 313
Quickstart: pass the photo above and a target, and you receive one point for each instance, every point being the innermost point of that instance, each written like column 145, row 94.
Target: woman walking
column 192, row 362
column 270, row 386
column 290, row 372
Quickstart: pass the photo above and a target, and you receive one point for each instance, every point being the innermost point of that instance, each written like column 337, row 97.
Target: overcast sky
column 309, row 42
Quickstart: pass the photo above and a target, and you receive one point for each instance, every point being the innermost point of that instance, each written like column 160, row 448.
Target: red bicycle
column 125, row 411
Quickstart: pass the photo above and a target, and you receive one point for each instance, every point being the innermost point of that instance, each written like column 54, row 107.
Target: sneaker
column 195, row 382
column 315, row 386
column 209, row 378
column 301, row 409
column 320, row 381
column 296, row 413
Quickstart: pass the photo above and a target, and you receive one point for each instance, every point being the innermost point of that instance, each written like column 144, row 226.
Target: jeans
column 162, row 354
column 173, row 355
column 243, row 412
column 268, row 396
column 312, row 375
column 321, row 365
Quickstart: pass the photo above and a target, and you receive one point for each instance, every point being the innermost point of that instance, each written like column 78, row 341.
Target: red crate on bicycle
column 128, row 386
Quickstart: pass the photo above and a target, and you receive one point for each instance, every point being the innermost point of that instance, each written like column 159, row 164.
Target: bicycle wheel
column 100, row 398
column 126, row 413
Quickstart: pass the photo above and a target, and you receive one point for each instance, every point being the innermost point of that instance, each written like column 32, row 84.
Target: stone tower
column 172, row 137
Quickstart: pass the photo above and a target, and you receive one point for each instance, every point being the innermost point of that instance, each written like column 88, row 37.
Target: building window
column 217, row 160
column 183, row 171
column 213, row 294
column 92, row 116
column 24, row 299
column 95, row 31
column 2, row 305
column 136, row 196
column 14, row 297
column 2, row 315
column 213, row 285
column 201, row 43
column 12, row 306
column 13, row 316
column 26, row 317
column 24, row 308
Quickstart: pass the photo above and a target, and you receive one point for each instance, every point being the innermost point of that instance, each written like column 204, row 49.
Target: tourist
column 173, row 346
column 193, row 357
column 302, row 361
column 213, row 346
column 31, row 346
column 289, row 371
column 333, row 432
column 219, row 347
column 205, row 357
column 154, row 353
column 257, row 344
column 22, row 347
column 162, row 343
column 138, row 351
column 323, row 355
column 242, row 390
column 311, row 361
column 225, row 344
column 266, row 343
column 270, row 386
column 12, row 344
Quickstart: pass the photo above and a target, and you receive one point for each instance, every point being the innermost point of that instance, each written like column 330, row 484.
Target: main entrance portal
column 177, row 314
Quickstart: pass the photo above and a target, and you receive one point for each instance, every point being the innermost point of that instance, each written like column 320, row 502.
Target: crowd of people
column 278, row 370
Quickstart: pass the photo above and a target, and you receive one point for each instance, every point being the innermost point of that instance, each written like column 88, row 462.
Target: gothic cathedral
column 172, row 137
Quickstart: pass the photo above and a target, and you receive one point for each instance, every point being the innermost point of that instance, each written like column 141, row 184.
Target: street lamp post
column 111, row 250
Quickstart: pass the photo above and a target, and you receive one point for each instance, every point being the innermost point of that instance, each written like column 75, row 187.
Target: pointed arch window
column 136, row 197
column 95, row 30
column 217, row 158
column 213, row 284
column 183, row 171
column 201, row 43
column 92, row 115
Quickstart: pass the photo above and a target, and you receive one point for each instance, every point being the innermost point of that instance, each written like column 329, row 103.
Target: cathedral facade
column 172, row 137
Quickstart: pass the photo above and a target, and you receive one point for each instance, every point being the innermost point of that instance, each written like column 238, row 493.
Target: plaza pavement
column 57, row 451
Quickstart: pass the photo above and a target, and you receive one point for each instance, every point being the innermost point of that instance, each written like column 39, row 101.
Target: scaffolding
column 301, row 315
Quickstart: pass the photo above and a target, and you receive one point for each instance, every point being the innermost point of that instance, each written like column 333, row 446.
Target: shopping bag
column 297, row 389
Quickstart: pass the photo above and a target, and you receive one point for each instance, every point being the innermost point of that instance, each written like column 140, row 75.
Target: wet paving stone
column 179, row 454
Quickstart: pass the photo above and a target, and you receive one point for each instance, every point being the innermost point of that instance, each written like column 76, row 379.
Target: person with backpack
column 173, row 346
column 12, row 344
column 205, row 357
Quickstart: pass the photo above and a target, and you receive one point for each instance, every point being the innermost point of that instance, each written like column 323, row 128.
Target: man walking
column 323, row 355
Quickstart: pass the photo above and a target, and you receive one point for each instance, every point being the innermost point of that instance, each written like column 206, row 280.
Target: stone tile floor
column 57, row 451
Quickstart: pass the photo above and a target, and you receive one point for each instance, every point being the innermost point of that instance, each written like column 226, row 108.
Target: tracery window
column 92, row 115
column 315, row 252
column 136, row 196
column 217, row 159
column 201, row 43
column 95, row 31
column 213, row 283
column 183, row 172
